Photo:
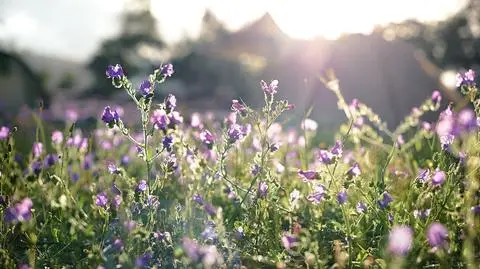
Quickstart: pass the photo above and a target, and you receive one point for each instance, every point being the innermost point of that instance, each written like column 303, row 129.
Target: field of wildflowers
column 244, row 191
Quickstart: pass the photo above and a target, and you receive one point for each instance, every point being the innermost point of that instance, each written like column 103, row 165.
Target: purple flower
column 110, row 117
column 337, row 149
column 129, row 225
column 159, row 119
column 175, row 118
column 386, row 200
column 125, row 160
column 361, row 207
column 354, row 171
column 342, row 197
column 118, row 244
column 210, row 209
column 142, row 186
column 37, row 167
column 191, row 248
column 438, row 177
column 274, row 147
column 166, row 70
column 467, row 78
column 209, row 233
column 197, row 198
column 400, row 240
column 289, row 241
column 318, row 195
column 114, row 71
column 262, row 189
column 206, row 137
column 24, row 266
column 50, row 160
column 437, row 235
column 255, row 169
column 436, row 97
column 235, row 133
column 476, row 210
column 308, row 175
column 20, row 212
column 167, row 142
column 239, row 234
column 170, row 102
column 271, row 88
column 421, row 214
column 144, row 260
column 101, row 199
column 424, row 175
column 326, row 157
column 4, row 131
column 145, row 87
column 238, row 107
column 117, row 200
column 466, row 121
column 113, row 169
column 37, row 149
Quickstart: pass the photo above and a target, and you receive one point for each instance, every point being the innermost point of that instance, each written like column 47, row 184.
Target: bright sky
column 74, row 28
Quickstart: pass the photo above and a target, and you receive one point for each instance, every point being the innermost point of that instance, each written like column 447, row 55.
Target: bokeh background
column 390, row 54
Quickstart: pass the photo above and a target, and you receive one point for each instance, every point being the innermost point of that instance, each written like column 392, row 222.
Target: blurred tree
column 138, row 35
column 453, row 43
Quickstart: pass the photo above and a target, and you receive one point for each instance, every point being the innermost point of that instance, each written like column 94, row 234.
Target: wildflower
column 74, row 177
column 400, row 240
column 400, row 140
column 24, row 266
column 110, row 117
column 210, row 209
column 145, row 87
column 37, row 149
column 421, row 214
column 142, row 186
column 36, row 167
column 170, row 103
column 197, row 198
column 271, row 88
column 238, row 107
column 118, row 244
column 235, row 133
column 274, row 147
column 294, row 197
column 436, row 97
column 175, row 118
column 50, row 160
column 424, row 175
column 446, row 127
column 308, row 175
column 191, row 248
column 152, row 201
column 4, row 131
column 113, row 169
column 209, row 233
column 129, row 225
column 144, row 260
column 159, row 119
column 467, row 78
column 290, row 107
column 309, row 125
column 438, row 177
column 326, row 157
column 101, row 199
column 437, row 235
column 117, row 200
column 386, row 200
column 361, row 207
column 318, row 194
column 114, row 71
column 166, row 70
column 354, row 171
column 125, row 160
column 358, row 122
column 262, row 189
column 167, row 143
column 20, row 212
column 466, row 121
column 206, row 137
column 196, row 121
column 239, row 234
column 342, row 197
column 289, row 241
column 476, row 210
column 255, row 169
column 337, row 149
